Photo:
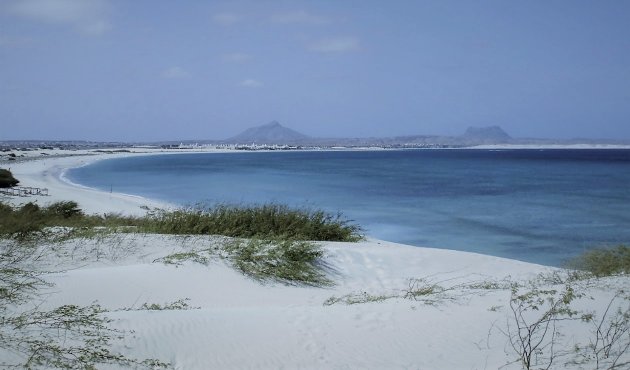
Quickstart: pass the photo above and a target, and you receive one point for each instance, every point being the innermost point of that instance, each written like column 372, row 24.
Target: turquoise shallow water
column 539, row 206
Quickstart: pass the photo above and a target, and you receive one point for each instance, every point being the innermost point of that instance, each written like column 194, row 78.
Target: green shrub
column 6, row 179
column 288, row 261
column 603, row 261
column 277, row 248
column 266, row 221
column 294, row 262
column 22, row 222
column 65, row 209
column 30, row 219
column 30, row 208
column 5, row 208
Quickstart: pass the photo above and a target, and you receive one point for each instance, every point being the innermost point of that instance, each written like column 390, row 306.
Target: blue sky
column 147, row 70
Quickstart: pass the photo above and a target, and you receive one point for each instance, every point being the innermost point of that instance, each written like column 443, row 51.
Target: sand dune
column 242, row 323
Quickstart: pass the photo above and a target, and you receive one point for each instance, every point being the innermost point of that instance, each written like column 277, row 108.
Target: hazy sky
column 161, row 70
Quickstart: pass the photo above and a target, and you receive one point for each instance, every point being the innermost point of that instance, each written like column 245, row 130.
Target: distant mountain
column 490, row 134
column 271, row 133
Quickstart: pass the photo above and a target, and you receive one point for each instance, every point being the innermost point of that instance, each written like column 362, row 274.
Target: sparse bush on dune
column 278, row 246
column 274, row 243
column 20, row 223
column 603, row 261
column 288, row 261
column 276, row 251
column 65, row 337
column 65, row 209
column 5, row 208
column 292, row 262
column 30, row 219
column 265, row 221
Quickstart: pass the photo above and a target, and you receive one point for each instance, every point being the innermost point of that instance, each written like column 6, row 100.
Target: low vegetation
column 65, row 337
column 426, row 290
column 546, row 323
column 538, row 310
column 264, row 222
column 276, row 248
column 535, row 329
column 293, row 262
column 178, row 305
column 30, row 220
column 276, row 243
column 603, row 261
column 285, row 260
column 269, row 242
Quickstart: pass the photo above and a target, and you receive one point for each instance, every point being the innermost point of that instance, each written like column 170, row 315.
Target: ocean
column 541, row 206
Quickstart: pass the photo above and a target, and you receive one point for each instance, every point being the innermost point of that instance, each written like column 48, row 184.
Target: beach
column 392, row 306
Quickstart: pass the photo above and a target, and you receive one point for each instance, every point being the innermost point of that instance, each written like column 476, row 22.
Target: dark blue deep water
column 540, row 206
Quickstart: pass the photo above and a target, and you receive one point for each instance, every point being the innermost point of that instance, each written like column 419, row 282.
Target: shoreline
column 392, row 306
column 49, row 172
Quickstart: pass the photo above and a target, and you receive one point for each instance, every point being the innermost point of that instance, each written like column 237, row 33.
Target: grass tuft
column 180, row 304
column 270, row 221
column 265, row 222
column 179, row 258
column 291, row 262
column 288, row 261
column 278, row 245
column 30, row 220
column 603, row 261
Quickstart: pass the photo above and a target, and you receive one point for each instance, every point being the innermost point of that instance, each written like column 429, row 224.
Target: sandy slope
column 240, row 323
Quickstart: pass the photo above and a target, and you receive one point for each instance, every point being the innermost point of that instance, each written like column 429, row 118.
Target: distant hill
column 490, row 134
column 271, row 133
column 275, row 133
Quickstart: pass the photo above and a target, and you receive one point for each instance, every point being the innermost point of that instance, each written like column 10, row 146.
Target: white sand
column 241, row 323
column 47, row 172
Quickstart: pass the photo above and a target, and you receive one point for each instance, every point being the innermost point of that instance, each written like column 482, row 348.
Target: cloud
column 335, row 45
column 299, row 17
column 226, row 19
column 251, row 83
column 87, row 16
column 236, row 57
column 175, row 73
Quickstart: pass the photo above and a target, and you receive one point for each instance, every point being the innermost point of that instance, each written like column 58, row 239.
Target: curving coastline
column 366, row 320
column 48, row 172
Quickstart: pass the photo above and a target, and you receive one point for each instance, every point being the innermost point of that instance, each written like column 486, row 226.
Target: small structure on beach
column 24, row 191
